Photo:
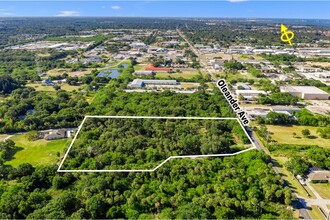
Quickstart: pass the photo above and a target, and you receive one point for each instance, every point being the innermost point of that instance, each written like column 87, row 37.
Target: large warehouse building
column 306, row 92
column 139, row 83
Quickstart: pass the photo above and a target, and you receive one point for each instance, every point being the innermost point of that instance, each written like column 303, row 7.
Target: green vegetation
column 69, row 39
column 7, row 84
column 304, row 117
column 324, row 132
column 38, row 152
column 179, row 189
column 283, row 135
column 233, row 65
column 323, row 189
column 282, row 58
column 27, row 110
column 316, row 213
column 145, row 143
column 278, row 98
column 302, row 157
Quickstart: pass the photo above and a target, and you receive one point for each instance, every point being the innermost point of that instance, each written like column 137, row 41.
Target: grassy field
column 323, row 189
column 189, row 85
column 39, row 87
column 316, row 213
column 283, row 135
column 186, row 75
column 69, row 88
column 140, row 67
column 293, row 182
column 37, row 152
column 60, row 71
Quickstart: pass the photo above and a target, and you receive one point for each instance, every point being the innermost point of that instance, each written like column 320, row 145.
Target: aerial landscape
column 164, row 110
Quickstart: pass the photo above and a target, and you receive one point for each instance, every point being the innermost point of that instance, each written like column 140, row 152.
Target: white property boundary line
column 162, row 163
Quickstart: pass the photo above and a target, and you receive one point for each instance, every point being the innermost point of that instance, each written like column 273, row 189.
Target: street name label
column 222, row 85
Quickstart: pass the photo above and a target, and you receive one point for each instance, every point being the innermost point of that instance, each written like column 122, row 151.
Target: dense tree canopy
column 145, row 143
column 7, row 84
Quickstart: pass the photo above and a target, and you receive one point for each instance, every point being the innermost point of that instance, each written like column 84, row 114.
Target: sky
column 222, row 9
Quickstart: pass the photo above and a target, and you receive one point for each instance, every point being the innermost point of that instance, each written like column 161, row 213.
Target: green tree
column 305, row 132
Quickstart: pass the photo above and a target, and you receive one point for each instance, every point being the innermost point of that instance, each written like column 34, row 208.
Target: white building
column 250, row 95
column 305, row 92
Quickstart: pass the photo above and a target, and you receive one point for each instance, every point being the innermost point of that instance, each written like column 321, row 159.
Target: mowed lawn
column 284, row 135
column 316, row 213
column 323, row 189
column 37, row 152
column 42, row 88
column 186, row 75
column 60, row 71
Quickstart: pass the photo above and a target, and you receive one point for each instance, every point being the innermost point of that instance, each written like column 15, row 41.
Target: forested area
column 304, row 117
column 110, row 101
column 234, row 187
column 242, row 186
column 278, row 98
column 130, row 144
column 27, row 110
column 302, row 157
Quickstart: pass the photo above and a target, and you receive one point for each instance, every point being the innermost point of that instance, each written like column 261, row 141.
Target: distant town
column 50, row 80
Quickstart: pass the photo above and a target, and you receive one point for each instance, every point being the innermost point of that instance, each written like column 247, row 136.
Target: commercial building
column 139, row 83
column 319, row 175
column 249, row 95
column 305, row 92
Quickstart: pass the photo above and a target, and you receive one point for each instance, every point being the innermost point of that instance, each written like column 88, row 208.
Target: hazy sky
column 230, row 8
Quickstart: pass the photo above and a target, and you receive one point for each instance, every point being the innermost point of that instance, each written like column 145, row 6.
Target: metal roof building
column 138, row 83
column 305, row 92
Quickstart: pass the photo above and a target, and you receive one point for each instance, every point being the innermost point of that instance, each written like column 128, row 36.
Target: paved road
column 203, row 64
column 319, row 201
column 300, row 202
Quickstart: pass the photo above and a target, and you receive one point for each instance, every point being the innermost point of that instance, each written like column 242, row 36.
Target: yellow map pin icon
column 287, row 35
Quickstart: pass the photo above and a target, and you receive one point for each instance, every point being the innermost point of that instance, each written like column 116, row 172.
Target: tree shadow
column 13, row 152
column 311, row 137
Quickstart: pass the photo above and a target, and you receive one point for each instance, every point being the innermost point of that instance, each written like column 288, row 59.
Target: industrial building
column 306, row 92
column 250, row 95
column 139, row 83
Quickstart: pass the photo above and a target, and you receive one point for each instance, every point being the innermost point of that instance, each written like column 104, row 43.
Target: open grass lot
column 283, row 135
column 290, row 179
column 140, row 67
column 39, row 87
column 37, row 152
column 316, row 213
column 239, row 75
column 189, row 85
column 184, row 74
column 323, row 189
column 69, row 88
column 60, row 71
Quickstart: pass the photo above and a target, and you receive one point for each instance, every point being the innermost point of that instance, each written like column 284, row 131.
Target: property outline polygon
column 162, row 163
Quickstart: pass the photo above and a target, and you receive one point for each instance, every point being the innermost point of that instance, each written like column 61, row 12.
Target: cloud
column 237, row 0
column 68, row 13
column 115, row 7
column 6, row 13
